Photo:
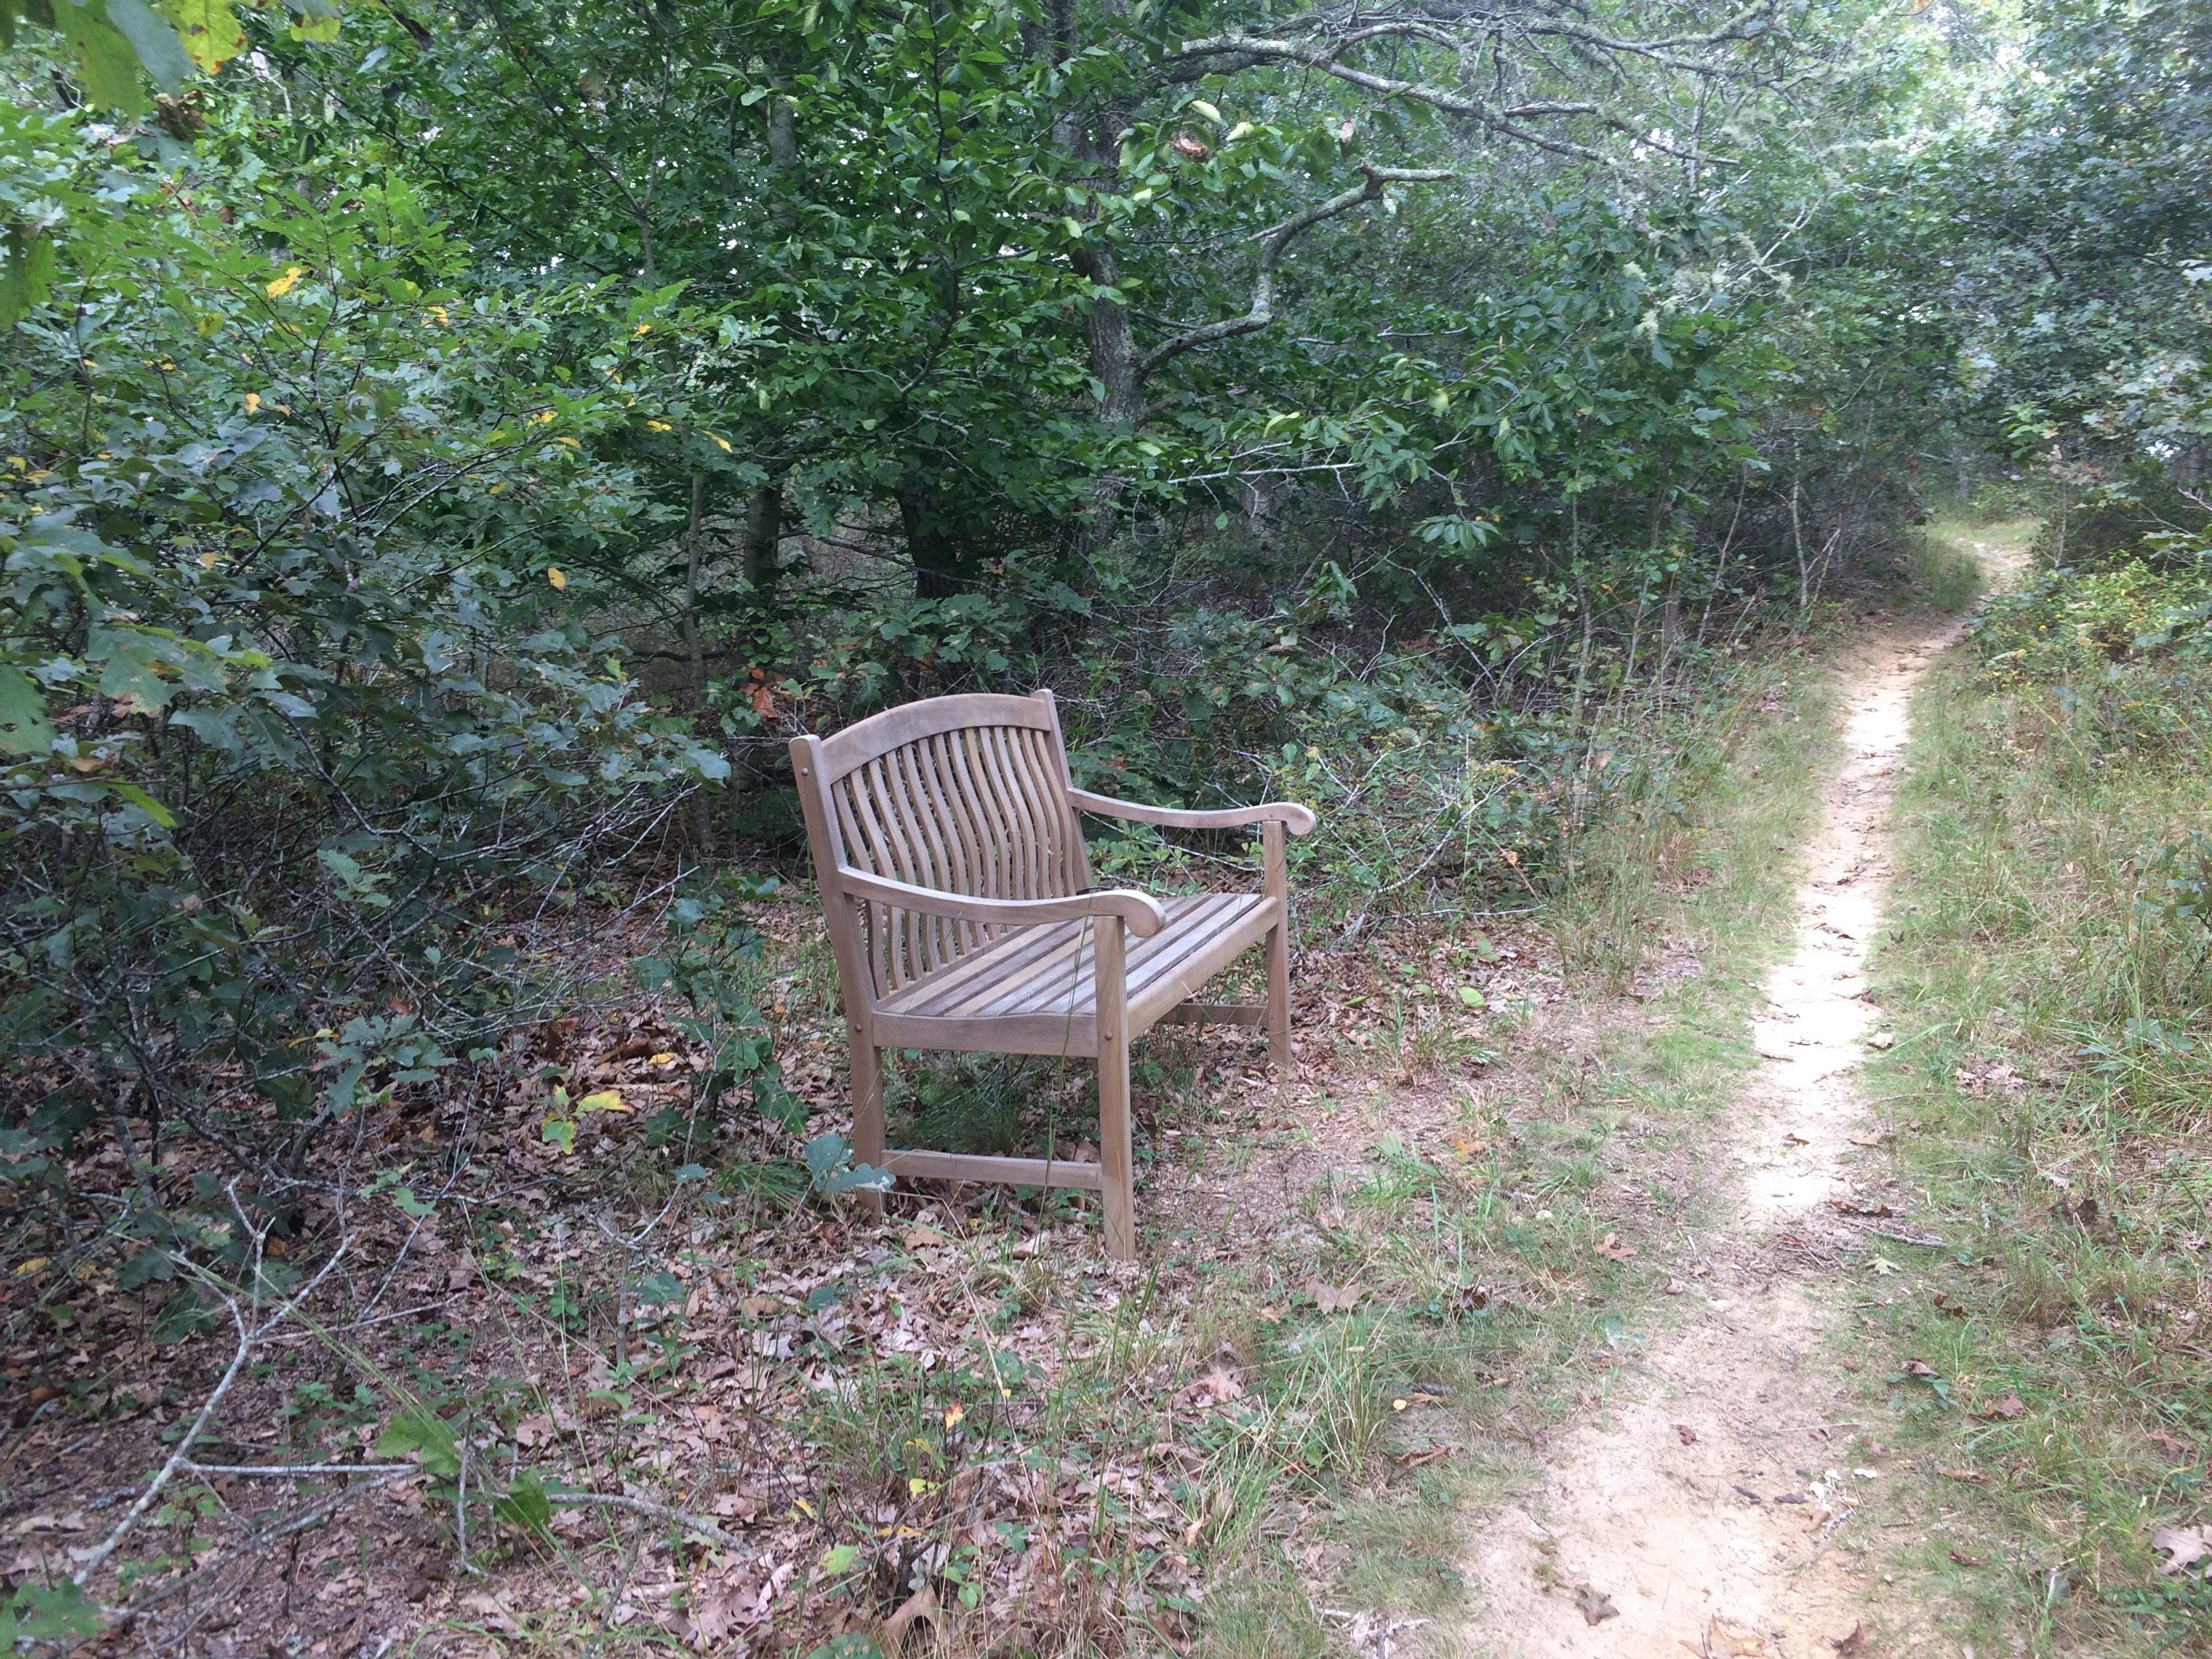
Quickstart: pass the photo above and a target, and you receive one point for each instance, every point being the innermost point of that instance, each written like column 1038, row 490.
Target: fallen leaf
column 1855, row 1642
column 1919, row 1368
column 1717, row 1641
column 1223, row 1385
column 1971, row 1477
column 1675, row 1287
column 1328, row 1299
column 1793, row 1138
column 2172, row 1447
column 1872, row 1208
column 2184, row 1547
column 920, row 1607
column 1966, row 1560
column 493, row 1613
column 1597, row 1606
column 1882, row 1039
column 1689, row 1436
column 1613, row 1249
column 2006, row 1408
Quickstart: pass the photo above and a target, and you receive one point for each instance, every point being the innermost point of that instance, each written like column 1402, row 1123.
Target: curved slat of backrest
column 965, row 800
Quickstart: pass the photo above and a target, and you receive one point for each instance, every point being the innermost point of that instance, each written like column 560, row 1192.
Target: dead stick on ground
column 250, row 1337
column 646, row 1506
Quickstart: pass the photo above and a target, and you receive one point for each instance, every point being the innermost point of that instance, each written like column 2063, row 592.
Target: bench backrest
column 966, row 794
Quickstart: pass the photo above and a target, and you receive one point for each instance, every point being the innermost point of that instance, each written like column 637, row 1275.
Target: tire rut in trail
column 1702, row 1512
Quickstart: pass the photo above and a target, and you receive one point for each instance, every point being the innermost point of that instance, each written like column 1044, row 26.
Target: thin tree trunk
column 763, row 538
column 703, row 817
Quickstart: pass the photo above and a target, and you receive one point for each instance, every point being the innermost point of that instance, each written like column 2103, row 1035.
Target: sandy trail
column 1699, row 1512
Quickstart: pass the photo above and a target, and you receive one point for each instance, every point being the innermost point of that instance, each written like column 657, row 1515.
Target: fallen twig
column 646, row 1506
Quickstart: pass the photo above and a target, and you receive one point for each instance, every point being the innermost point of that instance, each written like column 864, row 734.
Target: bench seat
column 1035, row 991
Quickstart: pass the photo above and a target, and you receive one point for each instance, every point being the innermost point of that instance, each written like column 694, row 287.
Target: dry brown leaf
column 2183, row 1546
column 1223, row 1385
column 916, row 1608
column 1687, row 1435
column 1966, row 1560
column 1328, row 1299
column 1613, row 1251
column 1971, row 1477
column 1597, row 1606
column 1919, row 1368
column 2006, row 1409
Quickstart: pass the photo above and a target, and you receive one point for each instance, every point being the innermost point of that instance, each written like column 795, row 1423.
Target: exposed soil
column 1707, row 1509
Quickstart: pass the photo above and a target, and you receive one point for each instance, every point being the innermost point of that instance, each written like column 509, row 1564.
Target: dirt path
column 1702, row 1511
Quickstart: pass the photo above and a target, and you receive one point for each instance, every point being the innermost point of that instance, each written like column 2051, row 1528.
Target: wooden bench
column 958, row 896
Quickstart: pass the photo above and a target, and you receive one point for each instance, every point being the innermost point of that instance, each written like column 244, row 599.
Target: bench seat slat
column 1049, row 971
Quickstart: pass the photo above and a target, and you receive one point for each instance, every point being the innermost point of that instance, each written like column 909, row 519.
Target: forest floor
column 1721, row 1502
column 1545, row 1309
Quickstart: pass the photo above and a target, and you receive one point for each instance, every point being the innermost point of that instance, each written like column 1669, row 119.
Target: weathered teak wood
column 948, row 848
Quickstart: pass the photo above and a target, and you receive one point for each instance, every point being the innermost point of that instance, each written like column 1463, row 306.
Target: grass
column 2045, row 969
column 1492, row 1315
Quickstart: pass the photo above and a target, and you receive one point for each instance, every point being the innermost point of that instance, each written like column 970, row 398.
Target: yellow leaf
column 560, row 582
column 32, row 1266
column 659, row 426
column 209, row 33
column 543, row 416
column 285, row 283
column 724, row 443
column 208, row 561
column 918, row 1486
column 662, row 1059
column 606, row 1100
column 437, row 314
column 953, row 1414
column 254, row 403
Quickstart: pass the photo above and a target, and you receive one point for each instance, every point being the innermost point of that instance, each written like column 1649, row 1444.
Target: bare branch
column 1507, row 121
column 1272, row 245
column 250, row 1334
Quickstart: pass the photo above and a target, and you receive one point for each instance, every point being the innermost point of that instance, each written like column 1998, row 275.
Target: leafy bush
column 304, row 735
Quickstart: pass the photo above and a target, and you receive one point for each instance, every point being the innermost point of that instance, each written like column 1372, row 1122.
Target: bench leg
column 1116, row 1156
column 1278, row 888
column 868, row 1111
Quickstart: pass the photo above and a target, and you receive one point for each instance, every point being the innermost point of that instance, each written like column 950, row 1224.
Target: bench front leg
column 867, row 1107
column 1278, row 887
column 1115, row 1153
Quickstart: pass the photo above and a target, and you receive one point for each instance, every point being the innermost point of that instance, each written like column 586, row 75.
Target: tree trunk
column 702, row 813
column 938, row 571
column 764, row 537
column 1113, row 356
column 782, row 159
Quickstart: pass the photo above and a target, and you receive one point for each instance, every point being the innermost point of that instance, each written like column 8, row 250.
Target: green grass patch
column 2046, row 969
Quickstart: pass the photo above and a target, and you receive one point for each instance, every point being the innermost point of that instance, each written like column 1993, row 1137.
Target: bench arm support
column 1139, row 912
column 1299, row 820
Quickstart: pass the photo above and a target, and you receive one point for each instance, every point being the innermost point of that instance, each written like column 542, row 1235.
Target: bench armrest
column 1140, row 911
column 1299, row 820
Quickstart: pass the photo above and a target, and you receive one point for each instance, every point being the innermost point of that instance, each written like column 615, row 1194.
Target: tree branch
column 1272, row 245
column 1245, row 51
